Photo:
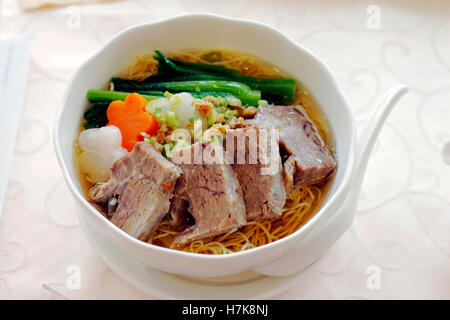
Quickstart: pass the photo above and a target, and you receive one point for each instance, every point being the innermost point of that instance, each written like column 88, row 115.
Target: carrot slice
column 167, row 185
column 131, row 119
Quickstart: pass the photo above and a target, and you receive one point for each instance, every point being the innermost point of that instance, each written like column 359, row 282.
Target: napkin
column 14, row 62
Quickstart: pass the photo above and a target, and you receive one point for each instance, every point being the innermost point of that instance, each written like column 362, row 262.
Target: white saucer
column 246, row 285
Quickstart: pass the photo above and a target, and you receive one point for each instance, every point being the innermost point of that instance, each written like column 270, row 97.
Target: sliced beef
column 264, row 192
column 181, row 218
column 308, row 160
column 139, row 190
column 209, row 191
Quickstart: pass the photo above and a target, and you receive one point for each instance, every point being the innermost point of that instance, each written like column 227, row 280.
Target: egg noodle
column 301, row 202
column 142, row 68
column 145, row 65
column 300, row 205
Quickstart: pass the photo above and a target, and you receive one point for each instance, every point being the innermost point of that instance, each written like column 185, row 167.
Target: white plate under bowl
column 245, row 285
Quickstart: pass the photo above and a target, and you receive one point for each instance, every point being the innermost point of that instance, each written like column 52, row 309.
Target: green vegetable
column 229, row 114
column 169, row 67
column 172, row 119
column 192, row 77
column 95, row 115
column 278, row 90
column 274, row 90
column 180, row 144
column 203, row 94
column 214, row 140
column 263, row 103
column 167, row 148
column 240, row 90
column 91, row 125
column 211, row 120
column 96, row 110
column 161, row 116
column 108, row 96
column 197, row 132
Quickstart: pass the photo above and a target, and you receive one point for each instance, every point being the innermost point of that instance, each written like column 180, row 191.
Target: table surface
column 402, row 227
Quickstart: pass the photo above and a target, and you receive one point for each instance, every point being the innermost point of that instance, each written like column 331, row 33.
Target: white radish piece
column 100, row 149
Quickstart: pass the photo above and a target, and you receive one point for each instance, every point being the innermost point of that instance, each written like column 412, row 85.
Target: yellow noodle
column 142, row 68
column 145, row 66
column 301, row 204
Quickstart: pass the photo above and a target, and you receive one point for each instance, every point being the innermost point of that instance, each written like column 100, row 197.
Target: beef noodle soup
column 125, row 155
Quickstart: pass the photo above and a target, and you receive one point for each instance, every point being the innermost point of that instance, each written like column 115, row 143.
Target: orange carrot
column 131, row 119
column 167, row 185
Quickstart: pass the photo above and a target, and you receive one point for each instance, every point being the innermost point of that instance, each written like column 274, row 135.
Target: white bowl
column 281, row 257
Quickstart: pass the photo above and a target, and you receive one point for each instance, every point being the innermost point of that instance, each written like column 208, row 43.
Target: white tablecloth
column 403, row 221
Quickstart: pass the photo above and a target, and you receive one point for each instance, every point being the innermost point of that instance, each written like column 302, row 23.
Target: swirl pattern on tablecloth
column 60, row 205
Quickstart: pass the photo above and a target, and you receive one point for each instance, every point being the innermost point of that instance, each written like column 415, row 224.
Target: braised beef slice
column 139, row 191
column 211, row 192
column 308, row 159
column 181, row 218
column 264, row 192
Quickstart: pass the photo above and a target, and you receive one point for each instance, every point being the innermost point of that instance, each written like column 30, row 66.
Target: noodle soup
column 302, row 201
